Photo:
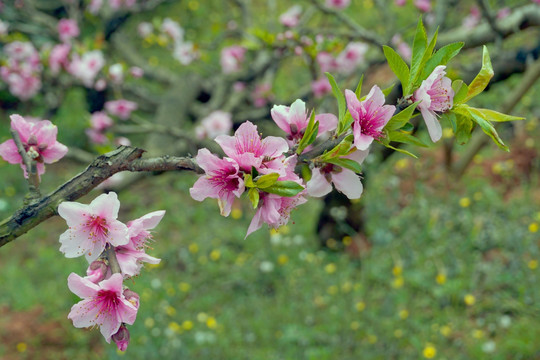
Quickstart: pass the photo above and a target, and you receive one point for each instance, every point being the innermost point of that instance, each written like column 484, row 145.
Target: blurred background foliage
column 442, row 268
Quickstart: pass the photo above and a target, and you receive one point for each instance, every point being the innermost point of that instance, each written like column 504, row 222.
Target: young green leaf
column 403, row 137
column 401, row 151
column 417, row 77
column 478, row 117
column 253, row 194
column 482, row 79
column 397, row 64
column 341, row 149
column 310, row 134
column 266, row 180
column 285, row 188
column 460, row 91
column 441, row 57
column 418, row 51
column 400, row 119
column 492, row 115
column 388, row 90
column 342, row 104
column 346, row 163
column 248, row 181
column 464, row 128
column 358, row 90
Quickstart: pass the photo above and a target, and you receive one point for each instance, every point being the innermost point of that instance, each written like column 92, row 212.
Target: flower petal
column 348, row 183
column 82, row 287
column 432, row 123
column 318, row 186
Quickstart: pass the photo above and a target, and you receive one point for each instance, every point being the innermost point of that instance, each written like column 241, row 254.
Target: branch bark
column 122, row 159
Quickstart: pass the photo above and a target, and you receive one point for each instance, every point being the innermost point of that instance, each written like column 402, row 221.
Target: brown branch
column 122, row 159
column 521, row 18
column 30, row 164
column 110, row 253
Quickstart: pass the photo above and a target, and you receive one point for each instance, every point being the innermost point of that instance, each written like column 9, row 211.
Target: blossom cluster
column 95, row 232
column 38, row 137
column 22, row 72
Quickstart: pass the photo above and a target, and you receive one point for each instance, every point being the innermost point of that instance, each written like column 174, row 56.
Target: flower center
column 97, row 227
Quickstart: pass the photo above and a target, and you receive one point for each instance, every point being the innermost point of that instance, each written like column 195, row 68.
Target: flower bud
column 97, row 271
column 121, row 338
column 132, row 297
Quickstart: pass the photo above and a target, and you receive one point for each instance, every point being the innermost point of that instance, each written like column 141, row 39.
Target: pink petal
column 358, row 155
column 348, row 183
column 433, row 124
column 9, row 152
column 118, row 233
column 318, row 186
column 274, row 146
column 256, row 223
column 23, row 127
column 375, row 98
column 73, row 212
column 75, row 243
column 45, row 132
column 203, row 189
column 208, row 161
column 227, row 143
column 151, row 220
column 327, row 122
column 297, row 114
column 106, row 205
column 280, row 115
column 82, row 287
column 54, row 153
column 362, row 142
column 352, row 101
column 84, row 313
column 114, row 283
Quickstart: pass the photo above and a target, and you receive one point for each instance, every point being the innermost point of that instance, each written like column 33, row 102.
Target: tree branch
column 122, row 159
column 30, row 164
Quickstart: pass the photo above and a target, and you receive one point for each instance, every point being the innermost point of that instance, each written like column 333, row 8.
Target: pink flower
column 131, row 256
column 423, row 5
column 321, row 87
column 351, row 57
column 121, row 338
column 400, row 2
column 121, row 108
column 116, row 72
column 94, row 6
column 326, row 62
column 100, row 121
column 185, row 52
column 294, row 120
column 503, row 13
column 473, row 19
column 172, row 29
column 59, row 57
column 67, row 29
column 232, row 58
column 221, row 181
column 402, row 47
column 345, row 180
column 262, row 94
column 216, row 123
column 435, row 95
column 144, row 29
column 87, row 67
column 291, row 17
column 92, row 227
column 248, row 149
column 275, row 210
column 95, row 136
column 103, row 304
column 39, row 141
column 97, row 271
column 338, row 4
column 370, row 116
column 136, row 72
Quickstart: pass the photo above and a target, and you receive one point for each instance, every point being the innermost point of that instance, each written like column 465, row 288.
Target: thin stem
column 30, row 164
column 113, row 261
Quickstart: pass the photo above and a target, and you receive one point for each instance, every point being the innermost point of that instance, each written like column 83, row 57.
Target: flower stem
column 113, row 261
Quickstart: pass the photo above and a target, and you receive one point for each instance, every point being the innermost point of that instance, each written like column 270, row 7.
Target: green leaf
column 492, row 115
column 346, row 163
column 403, row 137
column 253, row 194
column 397, row 64
column 266, row 180
column 464, row 127
column 482, row 79
column 284, row 188
column 310, row 134
column 418, row 51
column 248, row 181
column 342, row 104
column 441, row 57
column 388, row 90
column 401, row 151
column 460, row 90
column 343, row 148
column 478, row 117
column 400, row 119
column 358, row 90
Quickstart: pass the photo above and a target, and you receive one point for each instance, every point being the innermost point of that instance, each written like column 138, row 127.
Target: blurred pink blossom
column 67, row 29
column 291, row 17
column 232, row 58
column 216, row 123
column 338, row 4
column 121, row 108
column 321, row 87
column 423, row 5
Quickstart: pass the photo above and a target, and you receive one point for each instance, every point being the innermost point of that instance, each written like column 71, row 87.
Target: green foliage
column 482, row 79
column 441, row 57
column 400, row 119
column 284, row 188
column 310, row 134
column 346, row 163
column 343, row 148
column 397, row 64
column 482, row 120
column 342, row 104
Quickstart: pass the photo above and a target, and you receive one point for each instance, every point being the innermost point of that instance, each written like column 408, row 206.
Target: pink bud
column 132, row 297
column 121, row 338
column 96, row 271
